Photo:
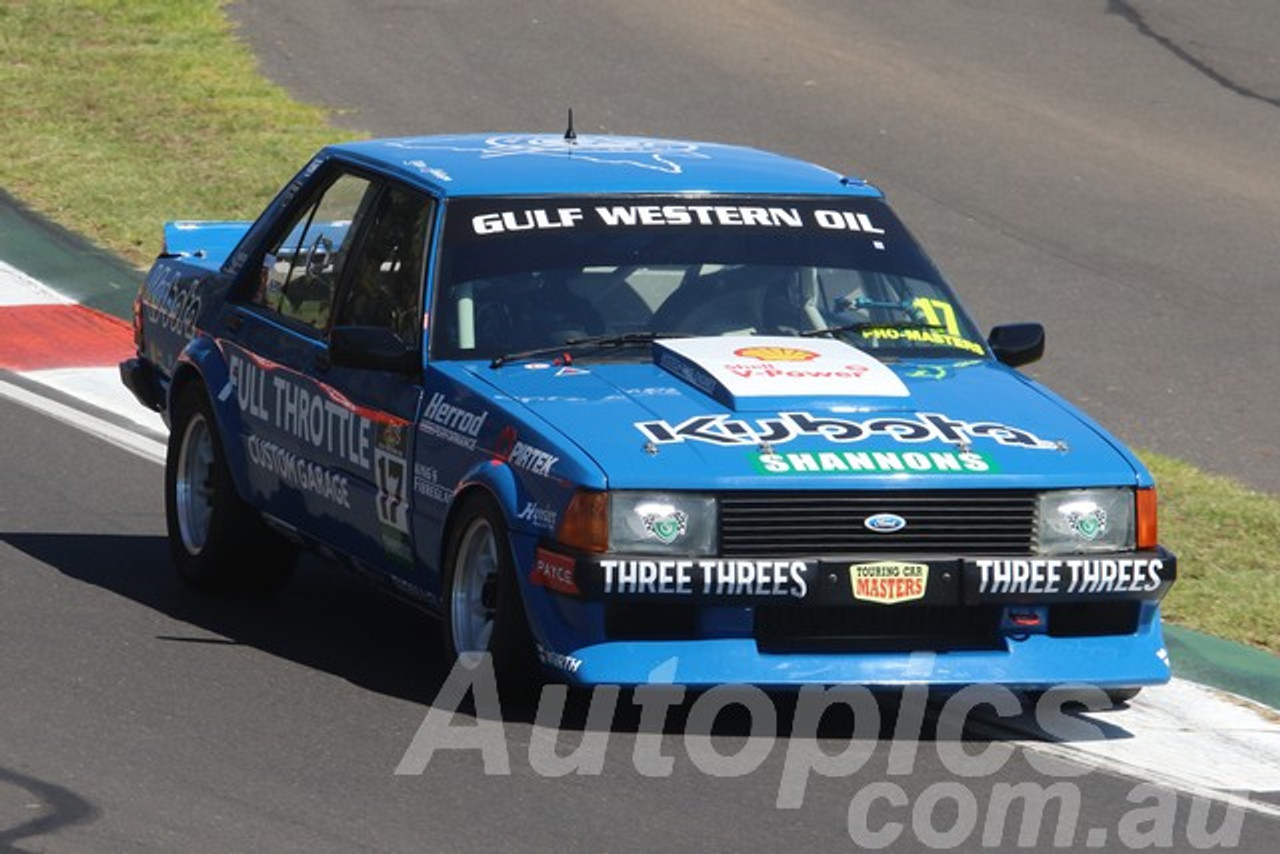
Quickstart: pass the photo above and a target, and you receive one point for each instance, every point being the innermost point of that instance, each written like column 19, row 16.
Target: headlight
column 662, row 523
column 1085, row 520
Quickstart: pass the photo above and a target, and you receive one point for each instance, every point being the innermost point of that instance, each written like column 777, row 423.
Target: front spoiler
column 1035, row 661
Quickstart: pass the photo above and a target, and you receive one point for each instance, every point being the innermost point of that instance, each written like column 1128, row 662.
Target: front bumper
column 943, row 621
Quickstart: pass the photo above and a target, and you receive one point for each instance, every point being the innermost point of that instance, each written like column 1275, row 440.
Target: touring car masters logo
column 725, row 431
column 889, row 582
column 657, row 155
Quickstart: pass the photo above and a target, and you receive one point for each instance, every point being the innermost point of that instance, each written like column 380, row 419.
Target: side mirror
column 1017, row 343
column 371, row 348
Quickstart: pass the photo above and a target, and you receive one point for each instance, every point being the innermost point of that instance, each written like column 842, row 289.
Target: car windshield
column 523, row 275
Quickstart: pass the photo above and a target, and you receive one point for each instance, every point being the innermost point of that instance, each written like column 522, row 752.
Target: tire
column 483, row 610
column 1117, row 696
column 217, row 541
column 1121, row 696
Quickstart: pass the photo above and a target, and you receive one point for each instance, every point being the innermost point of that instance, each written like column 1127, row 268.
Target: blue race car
column 613, row 406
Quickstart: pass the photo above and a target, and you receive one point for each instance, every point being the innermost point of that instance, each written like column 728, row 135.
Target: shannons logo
column 874, row 462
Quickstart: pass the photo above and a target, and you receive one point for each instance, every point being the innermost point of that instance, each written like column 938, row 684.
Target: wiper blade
column 866, row 324
column 624, row 339
column 864, row 304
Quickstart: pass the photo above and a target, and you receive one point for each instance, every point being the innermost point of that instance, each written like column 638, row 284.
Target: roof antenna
column 570, row 135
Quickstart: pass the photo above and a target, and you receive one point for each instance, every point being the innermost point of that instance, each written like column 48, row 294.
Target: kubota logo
column 776, row 354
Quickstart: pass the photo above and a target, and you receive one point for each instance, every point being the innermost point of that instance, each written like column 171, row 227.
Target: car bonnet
column 755, row 412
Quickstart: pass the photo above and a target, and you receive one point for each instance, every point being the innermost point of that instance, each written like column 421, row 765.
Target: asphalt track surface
column 1107, row 167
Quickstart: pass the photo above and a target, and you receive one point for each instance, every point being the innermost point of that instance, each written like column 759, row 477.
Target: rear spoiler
column 207, row 243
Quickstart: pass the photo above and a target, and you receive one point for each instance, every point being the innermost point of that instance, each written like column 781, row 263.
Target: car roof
column 549, row 164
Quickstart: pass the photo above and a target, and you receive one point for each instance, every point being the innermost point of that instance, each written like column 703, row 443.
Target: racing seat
column 712, row 304
column 551, row 313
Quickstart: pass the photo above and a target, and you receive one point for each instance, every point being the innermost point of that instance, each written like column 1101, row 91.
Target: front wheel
column 483, row 610
column 216, row 540
column 1121, row 696
column 1116, row 696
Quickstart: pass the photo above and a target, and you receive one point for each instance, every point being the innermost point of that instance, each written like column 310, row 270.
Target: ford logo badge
column 885, row 523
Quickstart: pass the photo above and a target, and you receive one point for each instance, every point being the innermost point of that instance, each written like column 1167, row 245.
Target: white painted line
column 17, row 288
column 1187, row 737
column 121, row 437
column 102, row 388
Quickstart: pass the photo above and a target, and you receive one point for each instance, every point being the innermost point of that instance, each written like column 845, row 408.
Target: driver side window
column 300, row 272
column 384, row 281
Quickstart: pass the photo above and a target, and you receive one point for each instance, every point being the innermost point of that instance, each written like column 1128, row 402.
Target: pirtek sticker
column 888, row 582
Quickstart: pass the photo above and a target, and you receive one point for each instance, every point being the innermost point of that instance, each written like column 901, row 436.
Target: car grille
column 817, row 523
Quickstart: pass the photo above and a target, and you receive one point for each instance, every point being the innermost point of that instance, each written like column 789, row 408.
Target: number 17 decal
column 938, row 313
column 393, row 498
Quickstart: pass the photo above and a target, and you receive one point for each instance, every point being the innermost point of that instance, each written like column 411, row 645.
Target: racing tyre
column 483, row 609
column 217, row 541
column 1120, row 696
column 1117, row 696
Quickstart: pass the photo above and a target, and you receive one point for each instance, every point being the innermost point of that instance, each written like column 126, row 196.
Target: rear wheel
column 483, row 610
column 216, row 540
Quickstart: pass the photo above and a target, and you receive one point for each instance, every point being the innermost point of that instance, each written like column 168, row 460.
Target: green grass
column 118, row 116
column 1227, row 539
